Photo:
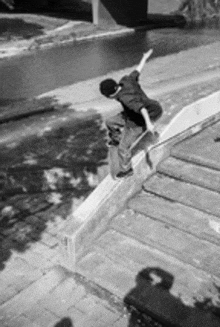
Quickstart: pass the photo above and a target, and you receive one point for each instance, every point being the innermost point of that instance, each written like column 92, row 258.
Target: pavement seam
column 174, row 226
column 119, row 262
column 182, row 203
column 178, row 178
column 193, row 161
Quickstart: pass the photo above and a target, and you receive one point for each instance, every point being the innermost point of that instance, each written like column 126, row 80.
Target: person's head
column 108, row 87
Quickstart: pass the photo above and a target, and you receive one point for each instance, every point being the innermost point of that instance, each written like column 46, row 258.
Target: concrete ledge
column 93, row 216
column 192, row 114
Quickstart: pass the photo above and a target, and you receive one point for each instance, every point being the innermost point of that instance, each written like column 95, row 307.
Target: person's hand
column 154, row 137
column 150, row 127
column 143, row 60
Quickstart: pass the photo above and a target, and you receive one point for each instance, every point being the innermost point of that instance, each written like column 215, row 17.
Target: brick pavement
column 36, row 291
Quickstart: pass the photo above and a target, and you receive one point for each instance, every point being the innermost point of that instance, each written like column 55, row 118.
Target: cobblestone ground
column 44, row 177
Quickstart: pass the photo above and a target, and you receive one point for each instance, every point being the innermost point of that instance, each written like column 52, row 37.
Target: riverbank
column 45, row 31
column 22, row 33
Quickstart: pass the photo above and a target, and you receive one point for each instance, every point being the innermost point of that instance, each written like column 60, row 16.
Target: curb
column 92, row 217
column 106, row 34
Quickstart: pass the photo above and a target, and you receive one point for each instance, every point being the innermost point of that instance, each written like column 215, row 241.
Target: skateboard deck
column 142, row 143
column 113, row 161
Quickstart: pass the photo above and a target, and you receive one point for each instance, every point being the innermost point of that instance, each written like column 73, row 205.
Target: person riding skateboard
column 138, row 115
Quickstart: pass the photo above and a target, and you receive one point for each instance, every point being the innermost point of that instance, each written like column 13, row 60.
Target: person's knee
column 124, row 148
column 109, row 123
column 155, row 110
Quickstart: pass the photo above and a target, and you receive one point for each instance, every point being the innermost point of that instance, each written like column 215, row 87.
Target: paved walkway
column 161, row 254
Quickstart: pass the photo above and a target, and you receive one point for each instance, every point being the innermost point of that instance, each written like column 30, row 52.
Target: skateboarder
column 139, row 113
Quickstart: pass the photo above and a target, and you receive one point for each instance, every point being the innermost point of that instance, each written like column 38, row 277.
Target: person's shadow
column 151, row 297
column 64, row 322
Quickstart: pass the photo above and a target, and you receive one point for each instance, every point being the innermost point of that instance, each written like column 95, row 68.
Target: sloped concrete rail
column 91, row 219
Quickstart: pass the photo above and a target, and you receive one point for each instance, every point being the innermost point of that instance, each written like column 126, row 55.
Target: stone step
column 176, row 215
column 150, row 280
column 190, row 172
column 186, row 193
column 165, row 237
column 135, row 256
column 202, row 148
column 28, row 297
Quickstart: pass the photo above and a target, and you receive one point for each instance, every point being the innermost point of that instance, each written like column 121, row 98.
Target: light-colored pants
column 125, row 136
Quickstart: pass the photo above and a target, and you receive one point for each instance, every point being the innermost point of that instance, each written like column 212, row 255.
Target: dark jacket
column 133, row 99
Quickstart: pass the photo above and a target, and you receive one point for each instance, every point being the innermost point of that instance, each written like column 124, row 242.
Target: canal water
column 45, row 70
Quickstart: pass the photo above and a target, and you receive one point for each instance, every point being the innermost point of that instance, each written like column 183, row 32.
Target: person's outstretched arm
column 149, row 125
column 143, row 60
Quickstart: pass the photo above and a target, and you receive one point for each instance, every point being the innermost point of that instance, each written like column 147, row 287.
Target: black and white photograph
column 110, row 163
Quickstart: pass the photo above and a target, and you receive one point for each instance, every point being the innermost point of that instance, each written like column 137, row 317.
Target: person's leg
column 129, row 136
column 115, row 124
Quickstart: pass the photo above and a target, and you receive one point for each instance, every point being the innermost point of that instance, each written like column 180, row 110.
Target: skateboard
column 142, row 143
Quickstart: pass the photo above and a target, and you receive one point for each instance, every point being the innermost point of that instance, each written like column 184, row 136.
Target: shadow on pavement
column 165, row 21
column 7, row 102
column 151, row 297
column 65, row 322
column 44, row 177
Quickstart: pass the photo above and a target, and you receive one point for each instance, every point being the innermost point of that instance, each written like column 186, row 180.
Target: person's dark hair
column 108, row 87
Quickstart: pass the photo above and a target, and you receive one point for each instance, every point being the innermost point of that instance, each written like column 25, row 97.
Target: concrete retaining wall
column 93, row 216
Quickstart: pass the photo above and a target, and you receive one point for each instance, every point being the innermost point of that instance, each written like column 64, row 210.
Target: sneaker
column 112, row 143
column 125, row 174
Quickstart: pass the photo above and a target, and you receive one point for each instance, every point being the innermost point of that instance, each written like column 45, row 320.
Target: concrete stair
column 162, row 253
